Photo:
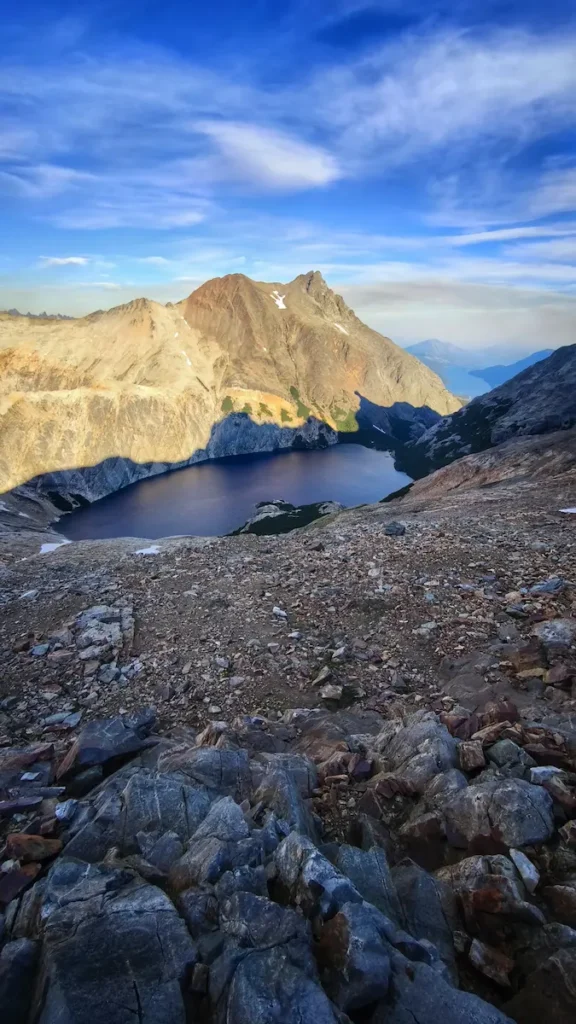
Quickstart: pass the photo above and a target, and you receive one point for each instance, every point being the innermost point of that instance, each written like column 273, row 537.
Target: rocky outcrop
column 240, row 366
column 280, row 516
column 540, row 400
column 521, row 460
column 191, row 880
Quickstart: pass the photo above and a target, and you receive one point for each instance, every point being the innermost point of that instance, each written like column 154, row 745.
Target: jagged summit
column 150, row 383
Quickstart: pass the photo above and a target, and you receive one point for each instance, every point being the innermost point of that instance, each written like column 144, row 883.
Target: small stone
column 471, row 756
column 526, row 869
column 331, row 692
column 279, row 612
column 395, row 529
column 108, row 673
column 491, row 962
column 39, row 650
column 568, row 833
column 543, row 773
column 556, row 633
column 214, row 709
column 323, row 676
column 221, row 662
column 555, row 585
column 273, row 648
column 295, row 635
column 235, row 681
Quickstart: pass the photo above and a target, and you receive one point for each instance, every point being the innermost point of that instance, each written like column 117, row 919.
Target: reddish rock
column 503, row 710
column 27, row 848
column 12, row 883
column 562, row 899
column 491, row 733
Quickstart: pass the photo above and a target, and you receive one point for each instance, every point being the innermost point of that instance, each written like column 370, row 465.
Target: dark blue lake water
column 217, row 497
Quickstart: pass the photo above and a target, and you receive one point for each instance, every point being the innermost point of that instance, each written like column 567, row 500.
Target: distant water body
column 214, row 498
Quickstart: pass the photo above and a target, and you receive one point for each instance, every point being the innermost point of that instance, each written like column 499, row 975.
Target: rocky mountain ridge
column 539, row 400
column 239, row 366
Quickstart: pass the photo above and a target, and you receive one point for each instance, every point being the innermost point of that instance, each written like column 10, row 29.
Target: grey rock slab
column 509, row 812
column 314, row 883
column 491, row 894
column 18, row 960
column 104, row 740
column 428, row 909
column 114, row 949
column 549, row 993
column 281, row 793
column 420, row 995
column 224, row 771
column 355, row 957
column 267, row 973
column 420, row 750
column 556, row 633
column 369, row 872
column 146, row 802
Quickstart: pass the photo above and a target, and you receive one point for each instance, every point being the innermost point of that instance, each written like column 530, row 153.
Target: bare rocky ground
column 429, row 645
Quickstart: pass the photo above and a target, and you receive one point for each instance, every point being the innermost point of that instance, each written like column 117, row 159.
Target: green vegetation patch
column 345, row 421
column 285, row 416
column 247, row 409
column 227, row 404
column 264, row 410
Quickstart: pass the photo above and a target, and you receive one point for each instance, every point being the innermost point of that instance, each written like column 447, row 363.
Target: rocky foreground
column 179, row 843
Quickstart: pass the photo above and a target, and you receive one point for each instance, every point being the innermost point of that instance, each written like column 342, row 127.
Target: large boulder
column 221, row 843
column 114, row 949
column 498, row 814
column 418, row 751
column 427, row 909
column 491, row 895
column 145, row 802
column 420, row 995
column 314, row 884
column 354, row 952
column 17, row 969
column 267, row 973
column 108, row 740
column 549, row 993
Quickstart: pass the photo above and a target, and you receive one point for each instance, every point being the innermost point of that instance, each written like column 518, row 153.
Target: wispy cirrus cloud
column 63, row 261
column 123, row 113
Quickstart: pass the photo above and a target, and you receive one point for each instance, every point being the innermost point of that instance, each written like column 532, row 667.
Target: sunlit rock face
column 239, row 366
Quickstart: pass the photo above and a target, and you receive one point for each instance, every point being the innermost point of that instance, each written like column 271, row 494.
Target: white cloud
column 466, row 314
column 508, row 234
column 63, row 261
column 156, row 261
column 270, row 158
column 556, row 249
column 556, row 192
column 107, row 285
column 425, row 91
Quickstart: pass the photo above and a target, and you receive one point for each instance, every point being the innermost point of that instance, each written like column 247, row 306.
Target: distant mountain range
column 463, row 371
column 538, row 400
column 38, row 316
column 499, row 374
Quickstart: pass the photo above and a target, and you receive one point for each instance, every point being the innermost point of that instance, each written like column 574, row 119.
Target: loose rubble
column 388, row 836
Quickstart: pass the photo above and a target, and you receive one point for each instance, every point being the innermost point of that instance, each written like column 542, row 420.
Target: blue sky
column 420, row 154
